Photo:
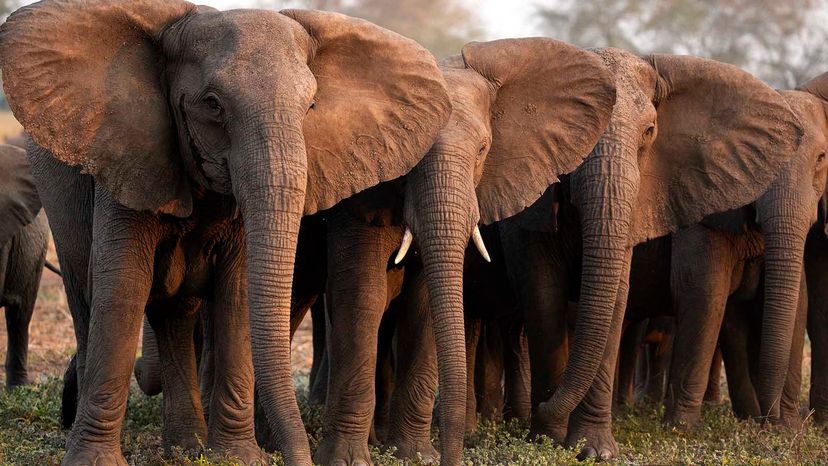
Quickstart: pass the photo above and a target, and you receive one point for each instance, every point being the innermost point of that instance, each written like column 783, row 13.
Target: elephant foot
column 16, row 380
column 410, row 448
column 600, row 443
column 683, row 421
column 790, row 420
column 544, row 423
column 94, row 455
column 149, row 383
column 246, row 453
column 335, row 451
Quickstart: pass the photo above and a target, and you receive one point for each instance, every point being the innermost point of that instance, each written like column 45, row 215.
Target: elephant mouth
column 221, row 184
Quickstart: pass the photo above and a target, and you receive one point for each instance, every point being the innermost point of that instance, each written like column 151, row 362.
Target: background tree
column 784, row 43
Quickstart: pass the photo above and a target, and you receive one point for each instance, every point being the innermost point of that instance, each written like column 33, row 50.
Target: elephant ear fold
column 817, row 86
column 552, row 101
column 19, row 203
column 84, row 79
column 380, row 102
column 722, row 135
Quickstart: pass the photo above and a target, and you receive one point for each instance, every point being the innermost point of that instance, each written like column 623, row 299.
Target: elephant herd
column 490, row 224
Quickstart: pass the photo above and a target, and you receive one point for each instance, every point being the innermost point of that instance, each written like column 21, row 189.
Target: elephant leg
column 122, row 258
column 230, row 426
column 148, row 366
column 713, row 393
column 535, row 266
column 318, row 380
column 816, row 268
column 384, row 383
column 357, row 292
column 416, row 387
column 172, row 322
column 18, row 317
column 516, row 378
column 628, row 355
column 660, row 348
column 791, row 393
column 489, row 373
column 207, row 363
column 68, row 204
column 700, row 291
column 592, row 419
column 734, row 343
column 473, row 329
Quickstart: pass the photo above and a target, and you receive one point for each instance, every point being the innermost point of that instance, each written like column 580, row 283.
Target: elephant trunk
column 446, row 214
column 148, row 366
column 603, row 189
column 785, row 220
column 269, row 180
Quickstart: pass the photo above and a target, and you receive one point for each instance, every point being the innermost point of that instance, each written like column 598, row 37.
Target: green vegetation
column 30, row 433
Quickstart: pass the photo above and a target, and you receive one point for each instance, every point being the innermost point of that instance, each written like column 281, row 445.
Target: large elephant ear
column 84, row 79
column 380, row 102
column 722, row 135
column 19, row 203
column 552, row 101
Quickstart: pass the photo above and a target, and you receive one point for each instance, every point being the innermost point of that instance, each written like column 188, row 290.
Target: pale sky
column 501, row 18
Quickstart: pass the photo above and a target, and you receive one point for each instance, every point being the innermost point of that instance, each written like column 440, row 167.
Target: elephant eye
column 650, row 130
column 212, row 103
column 821, row 157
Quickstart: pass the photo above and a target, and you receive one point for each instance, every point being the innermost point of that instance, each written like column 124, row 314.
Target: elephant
column 308, row 288
column 645, row 352
column 163, row 106
column 688, row 137
column 816, row 271
column 733, row 254
column 501, row 93
column 182, row 267
column 24, row 236
column 496, row 351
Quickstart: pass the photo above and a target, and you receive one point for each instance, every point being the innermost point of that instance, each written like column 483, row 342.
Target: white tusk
column 478, row 241
column 406, row 243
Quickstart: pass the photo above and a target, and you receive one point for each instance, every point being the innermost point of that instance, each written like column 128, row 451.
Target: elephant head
column 19, row 203
column 688, row 137
column 525, row 112
column 289, row 112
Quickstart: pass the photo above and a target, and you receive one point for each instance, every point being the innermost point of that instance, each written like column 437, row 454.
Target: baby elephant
column 23, row 242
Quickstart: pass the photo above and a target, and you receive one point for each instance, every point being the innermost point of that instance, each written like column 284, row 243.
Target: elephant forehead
column 810, row 111
column 634, row 77
column 238, row 44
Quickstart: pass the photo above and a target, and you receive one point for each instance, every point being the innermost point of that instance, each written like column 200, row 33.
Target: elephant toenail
column 606, row 455
column 587, row 452
column 359, row 463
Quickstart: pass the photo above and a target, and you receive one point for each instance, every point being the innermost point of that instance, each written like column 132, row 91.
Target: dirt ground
column 52, row 339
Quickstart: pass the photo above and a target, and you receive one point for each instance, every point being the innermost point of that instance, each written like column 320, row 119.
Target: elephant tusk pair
column 408, row 237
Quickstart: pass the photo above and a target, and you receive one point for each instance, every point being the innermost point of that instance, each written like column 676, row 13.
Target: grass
column 30, row 433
